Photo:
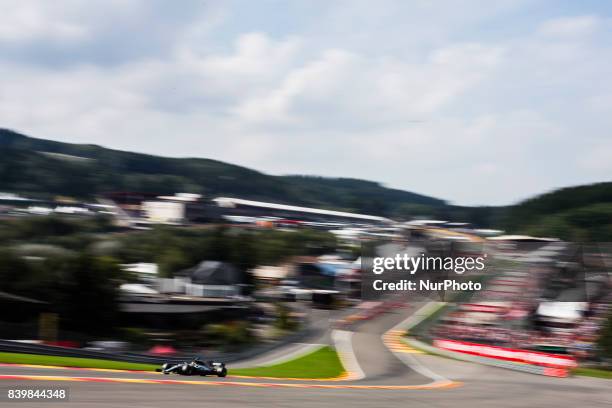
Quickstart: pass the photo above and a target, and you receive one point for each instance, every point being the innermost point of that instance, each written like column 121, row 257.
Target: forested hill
column 582, row 213
column 43, row 168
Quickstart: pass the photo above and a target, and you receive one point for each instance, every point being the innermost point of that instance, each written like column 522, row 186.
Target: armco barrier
column 508, row 354
column 18, row 347
column 29, row 348
column 510, row 365
column 524, row 360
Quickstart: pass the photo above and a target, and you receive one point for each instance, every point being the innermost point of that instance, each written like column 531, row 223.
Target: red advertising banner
column 501, row 353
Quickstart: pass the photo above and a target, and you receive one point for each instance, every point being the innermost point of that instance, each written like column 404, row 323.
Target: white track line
column 409, row 359
column 343, row 342
column 302, row 350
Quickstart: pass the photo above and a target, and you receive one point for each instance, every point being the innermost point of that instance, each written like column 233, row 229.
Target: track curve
column 388, row 379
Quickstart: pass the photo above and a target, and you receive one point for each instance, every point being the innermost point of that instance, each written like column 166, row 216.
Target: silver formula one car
column 197, row 366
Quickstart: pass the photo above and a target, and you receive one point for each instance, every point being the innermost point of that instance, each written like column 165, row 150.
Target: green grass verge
column 38, row 359
column 321, row 363
column 593, row 372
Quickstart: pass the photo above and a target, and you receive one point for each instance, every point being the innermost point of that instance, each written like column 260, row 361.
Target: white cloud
column 460, row 114
column 597, row 158
column 570, row 27
column 25, row 21
column 346, row 90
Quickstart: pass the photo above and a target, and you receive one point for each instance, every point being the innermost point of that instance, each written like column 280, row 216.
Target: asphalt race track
column 403, row 378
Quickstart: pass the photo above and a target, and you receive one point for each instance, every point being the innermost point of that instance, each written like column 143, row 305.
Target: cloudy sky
column 476, row 102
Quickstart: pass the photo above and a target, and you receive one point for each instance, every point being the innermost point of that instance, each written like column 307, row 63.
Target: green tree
column 87, row 293
column 605, row 339
column 171, row 261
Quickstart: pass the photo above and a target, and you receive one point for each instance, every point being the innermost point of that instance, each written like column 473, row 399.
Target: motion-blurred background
column 157, row 196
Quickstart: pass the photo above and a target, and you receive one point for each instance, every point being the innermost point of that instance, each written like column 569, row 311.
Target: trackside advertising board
column 553, row 361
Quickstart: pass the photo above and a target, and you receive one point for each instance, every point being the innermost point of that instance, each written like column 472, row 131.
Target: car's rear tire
column 223, row 373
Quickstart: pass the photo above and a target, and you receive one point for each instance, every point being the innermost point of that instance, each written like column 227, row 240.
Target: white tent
column 562, row 311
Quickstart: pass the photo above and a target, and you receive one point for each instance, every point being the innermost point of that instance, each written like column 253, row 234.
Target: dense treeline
column 68, row 262
column 173, row 248
column 178, row 248
column 581, row 213
column 605, row 339
column 68, row 284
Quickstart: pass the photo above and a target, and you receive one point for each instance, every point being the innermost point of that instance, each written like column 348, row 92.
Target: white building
column 165, row 212
column 146, row 272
